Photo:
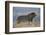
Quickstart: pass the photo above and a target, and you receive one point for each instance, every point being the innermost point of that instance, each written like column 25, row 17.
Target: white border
column 11, row 29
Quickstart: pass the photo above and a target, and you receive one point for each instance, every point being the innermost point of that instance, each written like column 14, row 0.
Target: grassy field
column 26, row 24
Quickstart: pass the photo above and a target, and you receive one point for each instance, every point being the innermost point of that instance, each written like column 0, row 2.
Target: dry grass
column 27, row 24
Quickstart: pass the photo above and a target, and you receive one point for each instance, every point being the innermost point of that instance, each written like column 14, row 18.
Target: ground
column 27, row 24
